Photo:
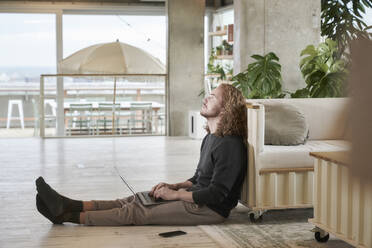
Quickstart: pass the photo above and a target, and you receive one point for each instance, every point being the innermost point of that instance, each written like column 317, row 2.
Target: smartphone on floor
column 171, row 234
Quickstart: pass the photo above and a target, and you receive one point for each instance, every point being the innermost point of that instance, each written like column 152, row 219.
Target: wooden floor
column 83, row 169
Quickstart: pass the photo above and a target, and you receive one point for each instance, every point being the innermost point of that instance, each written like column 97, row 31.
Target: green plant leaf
column 342, row 21
column 272, row 56
column 323, row 72
column 262, row 78
column 257, row 57
column 301, row 93
column 310, row 50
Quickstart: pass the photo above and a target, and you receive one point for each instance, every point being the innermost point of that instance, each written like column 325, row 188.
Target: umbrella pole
column 114, row 107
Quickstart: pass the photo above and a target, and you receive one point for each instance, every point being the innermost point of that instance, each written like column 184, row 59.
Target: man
column 206, row 198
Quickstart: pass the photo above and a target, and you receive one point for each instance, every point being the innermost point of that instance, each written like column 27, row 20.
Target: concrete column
column 284, row 27
column 60, row 86
column 185, row 61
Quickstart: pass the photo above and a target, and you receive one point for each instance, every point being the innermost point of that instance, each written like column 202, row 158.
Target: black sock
column 42, row 208
column 56, row 203
column 73, row 217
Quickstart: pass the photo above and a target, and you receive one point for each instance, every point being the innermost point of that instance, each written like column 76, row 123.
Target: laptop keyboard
column 147, row 197
column 150, row 198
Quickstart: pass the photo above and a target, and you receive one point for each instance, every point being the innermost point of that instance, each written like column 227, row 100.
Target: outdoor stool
column 20, row 110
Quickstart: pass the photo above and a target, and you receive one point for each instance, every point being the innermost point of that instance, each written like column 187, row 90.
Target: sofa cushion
column 274, row 157
column 284, row 125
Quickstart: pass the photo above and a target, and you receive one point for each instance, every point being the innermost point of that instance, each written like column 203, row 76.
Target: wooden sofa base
column 280, row 207
column 278, row 190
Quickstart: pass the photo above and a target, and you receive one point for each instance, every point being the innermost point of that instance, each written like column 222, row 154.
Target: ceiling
column 209, row 3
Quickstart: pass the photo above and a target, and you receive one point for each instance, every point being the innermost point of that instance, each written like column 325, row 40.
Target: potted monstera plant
column 262, row 78
column 324, row 73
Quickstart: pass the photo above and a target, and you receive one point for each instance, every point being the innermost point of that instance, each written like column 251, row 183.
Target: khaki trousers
column 130, row 211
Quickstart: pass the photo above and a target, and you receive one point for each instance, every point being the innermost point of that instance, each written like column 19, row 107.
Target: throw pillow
column 285, row 124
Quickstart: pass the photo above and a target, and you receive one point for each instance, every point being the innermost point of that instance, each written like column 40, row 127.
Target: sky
column 29, row 39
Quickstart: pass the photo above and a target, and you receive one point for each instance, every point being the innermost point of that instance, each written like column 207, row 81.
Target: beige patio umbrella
column 111, row 58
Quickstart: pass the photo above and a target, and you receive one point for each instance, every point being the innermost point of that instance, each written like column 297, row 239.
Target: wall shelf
column 211, row 75
column 218, row 33
column 225, row 57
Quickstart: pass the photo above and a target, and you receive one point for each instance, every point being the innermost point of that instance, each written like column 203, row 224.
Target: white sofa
column 282, row 176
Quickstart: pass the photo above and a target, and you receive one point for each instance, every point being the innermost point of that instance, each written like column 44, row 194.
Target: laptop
column 144, row 196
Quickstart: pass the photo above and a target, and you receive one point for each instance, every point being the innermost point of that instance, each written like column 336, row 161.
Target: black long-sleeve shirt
column 220, row 173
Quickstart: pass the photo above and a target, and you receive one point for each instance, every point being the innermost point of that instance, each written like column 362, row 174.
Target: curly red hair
column 234, row 113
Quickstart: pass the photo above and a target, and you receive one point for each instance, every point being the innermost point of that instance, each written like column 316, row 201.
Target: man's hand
column 170, row 194
column 161, row 185
column 166, row 193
